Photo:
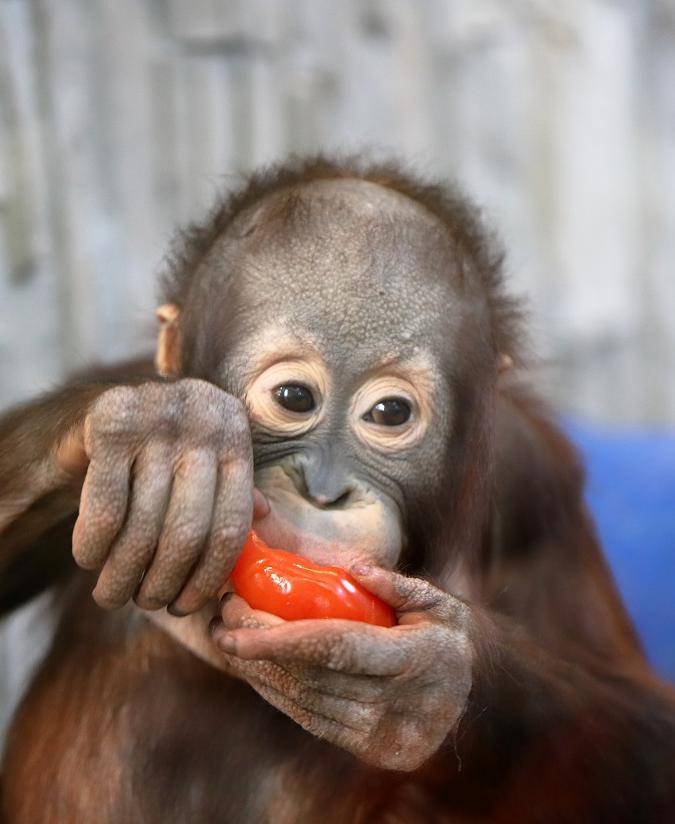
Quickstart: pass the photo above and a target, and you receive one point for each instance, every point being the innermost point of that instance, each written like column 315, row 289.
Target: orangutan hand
column 168, row 496
column 389, row 696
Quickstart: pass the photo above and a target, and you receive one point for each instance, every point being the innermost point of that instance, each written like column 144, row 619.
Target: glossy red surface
column 292, row 587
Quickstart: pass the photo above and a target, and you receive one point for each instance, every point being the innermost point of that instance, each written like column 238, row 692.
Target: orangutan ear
column 167, row 357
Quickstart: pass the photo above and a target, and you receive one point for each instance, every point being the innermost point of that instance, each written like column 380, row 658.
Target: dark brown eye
column 389, row 412
column 295, row 397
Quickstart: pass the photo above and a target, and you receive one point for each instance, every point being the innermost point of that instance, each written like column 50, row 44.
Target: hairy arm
column 549, row 738
column 564, row 714
column 35, row 446
column 41, row 478
column 30, row 468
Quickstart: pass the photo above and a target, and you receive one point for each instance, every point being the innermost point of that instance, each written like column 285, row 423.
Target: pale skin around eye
column 289, row 398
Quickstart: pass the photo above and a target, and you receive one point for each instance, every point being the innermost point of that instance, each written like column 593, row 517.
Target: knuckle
column 199, row 393
column 211, row 422
column 237, row 438
column 238, row 421
column 196, row 388
column 215, row 415
column 193, row 459
column 156, row 408
column 235, row 425
column 114, row 412
column 117, row 399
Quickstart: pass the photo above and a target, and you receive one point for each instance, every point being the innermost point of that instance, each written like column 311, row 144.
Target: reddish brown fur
column 565, row 723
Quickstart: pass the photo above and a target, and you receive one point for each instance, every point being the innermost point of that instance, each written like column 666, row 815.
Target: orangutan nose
column 323, row 480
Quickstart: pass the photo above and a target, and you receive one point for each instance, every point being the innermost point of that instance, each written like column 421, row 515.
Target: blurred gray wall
column 122, row 119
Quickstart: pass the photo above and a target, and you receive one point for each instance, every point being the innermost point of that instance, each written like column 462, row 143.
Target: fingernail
column 361, row 569
column 226, row 597
column 172, row 609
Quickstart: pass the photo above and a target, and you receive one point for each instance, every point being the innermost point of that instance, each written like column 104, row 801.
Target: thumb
column 404, row 594
column 70, row 454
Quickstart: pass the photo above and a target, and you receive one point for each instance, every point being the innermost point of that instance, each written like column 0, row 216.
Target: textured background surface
column 120, row 120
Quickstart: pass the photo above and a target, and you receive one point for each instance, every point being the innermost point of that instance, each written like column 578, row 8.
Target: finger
column 346, row 646
column 236, row 613
column 344, row 733
column 294, row 695
column 406, row 594
column 186, row 526
column 71, row 455
column 299, row 700
column 133, row 548
column 367, row 689
column 103, row 506
column 231, row 521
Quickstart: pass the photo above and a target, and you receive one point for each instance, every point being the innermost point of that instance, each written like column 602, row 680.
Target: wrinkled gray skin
column 348, row 283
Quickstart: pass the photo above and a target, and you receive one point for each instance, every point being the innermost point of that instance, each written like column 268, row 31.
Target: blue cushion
column 631, row 492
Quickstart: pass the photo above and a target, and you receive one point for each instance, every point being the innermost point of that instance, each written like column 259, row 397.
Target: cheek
column 419, row 475
column 369, row 531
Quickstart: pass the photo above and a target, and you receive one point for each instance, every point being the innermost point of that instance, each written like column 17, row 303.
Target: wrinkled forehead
column 365, row 270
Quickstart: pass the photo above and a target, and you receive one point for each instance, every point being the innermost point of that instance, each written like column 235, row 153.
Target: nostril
column 330, row 501
column 343, row 499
